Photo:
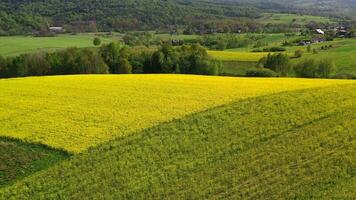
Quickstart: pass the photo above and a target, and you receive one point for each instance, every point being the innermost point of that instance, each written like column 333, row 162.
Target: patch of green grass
column 237, row 68
column 180, row 36
column 342, row 52
column 281, row 18
column 237, row 55
column 15, row 45
column 293, row 145
column 20, row 159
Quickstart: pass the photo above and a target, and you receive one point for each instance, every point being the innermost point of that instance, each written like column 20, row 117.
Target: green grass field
column 280, row 18
column 237, row 55
column 342, row 53
column 236, row 68
column 15, row 45
column 297, row 144
column 19, row 159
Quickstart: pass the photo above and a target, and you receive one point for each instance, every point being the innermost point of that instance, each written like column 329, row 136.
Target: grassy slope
column 15, row 45
column 341, row 53
column 20, row 159
column 294, row 145
column 237, row 68
column 280, row 18
column 77, row 112
column 237, row 55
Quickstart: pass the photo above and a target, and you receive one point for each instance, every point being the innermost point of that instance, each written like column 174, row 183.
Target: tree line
column 279, row 65
column 112, row 58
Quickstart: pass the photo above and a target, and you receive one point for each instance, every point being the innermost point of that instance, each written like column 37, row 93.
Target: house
column 319, row 31
column 304, row 42
column 177, row 42
column 317, row 40
column 341, row 33
column 56, row 29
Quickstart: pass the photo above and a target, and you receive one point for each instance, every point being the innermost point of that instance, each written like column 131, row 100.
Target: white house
column 56, row 29
column 320, row 31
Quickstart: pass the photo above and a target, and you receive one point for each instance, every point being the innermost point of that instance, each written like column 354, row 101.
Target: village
column 321, row 35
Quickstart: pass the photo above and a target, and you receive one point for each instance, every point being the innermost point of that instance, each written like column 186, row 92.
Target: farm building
column 317, row 40
column 56, row 29
column 319, row 31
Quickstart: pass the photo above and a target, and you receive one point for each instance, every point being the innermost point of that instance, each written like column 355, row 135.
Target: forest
column 19, row 16
column 35, row 16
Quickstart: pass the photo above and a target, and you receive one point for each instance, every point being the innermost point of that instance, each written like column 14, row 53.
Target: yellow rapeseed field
column 77, row 112
column 237, row 55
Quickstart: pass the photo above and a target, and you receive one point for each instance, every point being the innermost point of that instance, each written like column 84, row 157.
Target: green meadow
column 342, row 52
column 283, row 18
column 15, row 45
column 235, row 61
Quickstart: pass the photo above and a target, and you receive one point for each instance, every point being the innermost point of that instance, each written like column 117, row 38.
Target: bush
column 344, row 76
column 307, row 68
column 77, row 61
column 309, row 49
column 311, row 68
column 97, row 41
column 278, row 63
column 225, row 41
column 263, row 72
column 205, row 67
column 325, row 68
column 271, row 49
column 274, row 49
column 116, row 57
column 124, row 67
column 37, row 64
column 4, row 67
column 298, row 53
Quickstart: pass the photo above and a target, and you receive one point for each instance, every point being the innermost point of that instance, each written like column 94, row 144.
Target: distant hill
column 109, row 15
column 315, row 7
column 25, row 16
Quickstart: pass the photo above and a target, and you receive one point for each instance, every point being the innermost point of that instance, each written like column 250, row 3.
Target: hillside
column 110, row 15
column 290, row 145
column 17, row 45
column 24, row 17
column 320, row 7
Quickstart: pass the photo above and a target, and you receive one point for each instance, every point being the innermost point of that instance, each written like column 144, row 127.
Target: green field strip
column 287, row 145
column 16, row 45
column 20, row 159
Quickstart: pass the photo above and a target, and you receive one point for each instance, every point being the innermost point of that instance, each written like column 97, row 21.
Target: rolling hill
column 24, row 17
column 75, row 113
column 295, row 143
column 110, row 15
column 321, row 7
